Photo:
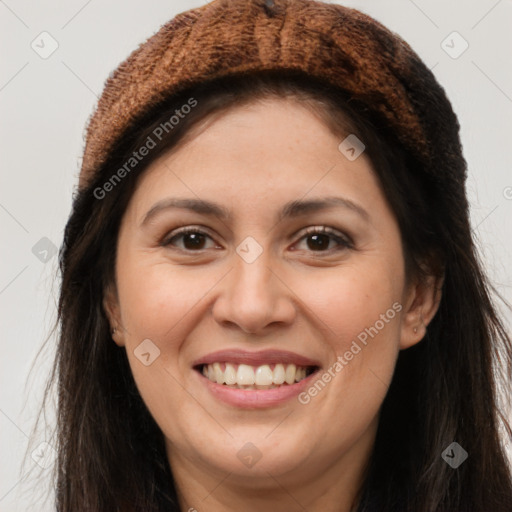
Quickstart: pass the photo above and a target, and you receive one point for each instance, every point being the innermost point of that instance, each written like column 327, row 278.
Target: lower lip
column 256, row 398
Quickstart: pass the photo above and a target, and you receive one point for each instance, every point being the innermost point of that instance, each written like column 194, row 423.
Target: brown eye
column 320, row 238
column 318, row 241
column 192, row 239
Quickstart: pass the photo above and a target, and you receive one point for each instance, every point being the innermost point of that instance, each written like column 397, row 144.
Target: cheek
column 157, row 304
column 358, row 309
column 348, row 300
column 157, row 297
column 164, row 395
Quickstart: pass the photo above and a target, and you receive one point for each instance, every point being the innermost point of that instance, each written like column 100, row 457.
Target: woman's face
column 251, row 297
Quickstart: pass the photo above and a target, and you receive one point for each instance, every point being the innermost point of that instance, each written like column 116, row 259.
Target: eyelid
column 183, row 231
column 343, row 240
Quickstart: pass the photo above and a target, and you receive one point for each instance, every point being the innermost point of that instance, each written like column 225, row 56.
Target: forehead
column 257, row 155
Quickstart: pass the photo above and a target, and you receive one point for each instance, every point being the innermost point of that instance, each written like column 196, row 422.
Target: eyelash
column 344, row 242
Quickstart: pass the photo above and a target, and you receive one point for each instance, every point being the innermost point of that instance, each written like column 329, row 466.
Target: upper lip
column 259, row 358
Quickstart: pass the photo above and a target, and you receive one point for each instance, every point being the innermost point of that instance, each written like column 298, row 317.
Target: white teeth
column 219, row 374
column 245, row 375
column 289, row 375
column 250, row 377
column 264, row 375
column 279, row 374
column 230, row 374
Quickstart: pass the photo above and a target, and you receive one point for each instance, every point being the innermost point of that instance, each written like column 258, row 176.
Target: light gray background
column 45, row 104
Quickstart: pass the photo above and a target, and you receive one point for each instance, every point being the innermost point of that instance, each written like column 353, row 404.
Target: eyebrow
column 291, row 209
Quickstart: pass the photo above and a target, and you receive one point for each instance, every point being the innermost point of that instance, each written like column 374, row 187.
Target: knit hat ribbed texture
column 340, row 45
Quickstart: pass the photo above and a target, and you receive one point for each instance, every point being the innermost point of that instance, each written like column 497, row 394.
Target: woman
column 271, row 299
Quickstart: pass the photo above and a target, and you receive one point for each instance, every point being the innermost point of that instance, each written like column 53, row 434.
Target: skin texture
column 295, row 296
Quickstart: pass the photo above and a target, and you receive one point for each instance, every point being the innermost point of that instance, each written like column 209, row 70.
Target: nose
column 253, row 297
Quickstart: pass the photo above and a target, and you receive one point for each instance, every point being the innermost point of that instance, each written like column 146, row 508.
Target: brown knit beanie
column 342, row 46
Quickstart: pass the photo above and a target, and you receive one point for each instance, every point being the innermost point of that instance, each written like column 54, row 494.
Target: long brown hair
column 111, row 454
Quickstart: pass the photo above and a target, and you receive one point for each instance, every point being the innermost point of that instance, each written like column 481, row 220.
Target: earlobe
column 111, row 308
column 421, row 304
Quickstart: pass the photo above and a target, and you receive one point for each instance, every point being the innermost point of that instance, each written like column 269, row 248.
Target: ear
column 112, row 310
column 421, row 302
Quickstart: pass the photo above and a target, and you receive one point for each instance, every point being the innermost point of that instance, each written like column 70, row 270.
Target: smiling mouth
column 244, row 376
